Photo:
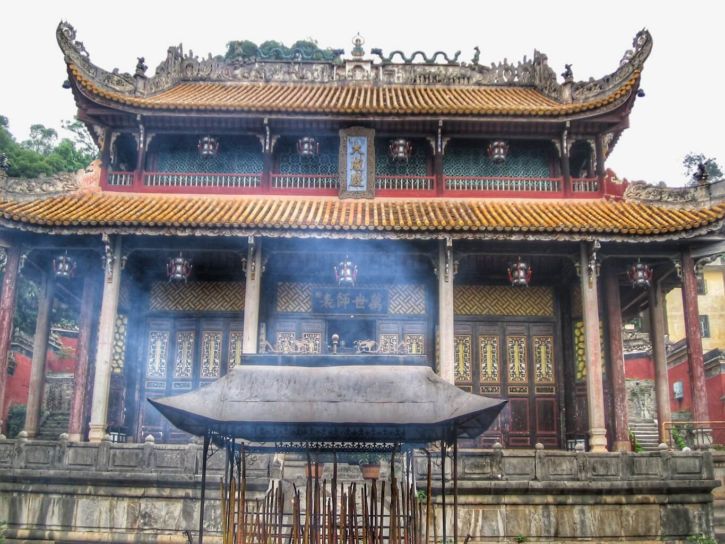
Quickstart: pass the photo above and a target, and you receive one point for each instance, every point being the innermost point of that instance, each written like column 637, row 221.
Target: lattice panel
column 157, row 354
column 285, row 342
column 313, row 341
column 406, row 299
column 417, row 165
column 118, row 357
column 235, row 349
column 543, row 359
column 202, row 296
column 576, row 302
column 245, row 158
column 124, row 292
column 414, row 344
column 462, row 356
column 294, row 297
column 389, row 343
column 211, row 354
column 184, row 360
column 469, row 158
column 503, row 300
column 326, row 162
column 488, row 354
column 516, row 363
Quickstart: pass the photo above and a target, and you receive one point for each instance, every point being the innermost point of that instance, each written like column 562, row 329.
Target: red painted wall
column 639, row 368
column 16, row 387
column 715, row 389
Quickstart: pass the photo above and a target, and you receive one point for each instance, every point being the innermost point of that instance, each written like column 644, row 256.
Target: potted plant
column 369, row 463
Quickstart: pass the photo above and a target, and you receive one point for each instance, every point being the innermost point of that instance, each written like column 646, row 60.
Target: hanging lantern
column 497, row 151
column 178, row 268
column 346, row 273
column 208, row 147
column 64, row 267
column 400, row 149
column 640, row 275
column 308, row 147
column 519, row 273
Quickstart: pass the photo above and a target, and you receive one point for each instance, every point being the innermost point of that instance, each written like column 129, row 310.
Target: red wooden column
column 693, row 334
column 7, row 310
column 593, row 348
column 616, row 354
column 80, row 377
column 40, row 352
column 564, row 158
column 659, row 354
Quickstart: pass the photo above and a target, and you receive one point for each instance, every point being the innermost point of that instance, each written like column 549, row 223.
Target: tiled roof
column 330, row 213
column 355, row 98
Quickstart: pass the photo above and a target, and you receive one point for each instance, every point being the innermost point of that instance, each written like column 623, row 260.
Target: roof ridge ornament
column 415, row 69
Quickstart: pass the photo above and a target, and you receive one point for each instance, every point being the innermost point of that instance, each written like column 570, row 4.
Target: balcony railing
column 405, row 183
column 120, row 179
column 232, row 181
column 552, row 187
column 305, row 181
column 584, row 185
column 502, row 184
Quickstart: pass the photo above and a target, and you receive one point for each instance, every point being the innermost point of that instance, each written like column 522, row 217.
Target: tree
column 692, row 161
column 42, row 139
column 40, row 155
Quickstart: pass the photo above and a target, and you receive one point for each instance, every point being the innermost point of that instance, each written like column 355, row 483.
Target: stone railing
column 149, row 493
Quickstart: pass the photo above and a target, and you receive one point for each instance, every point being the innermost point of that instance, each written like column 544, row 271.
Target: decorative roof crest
column 298, row 66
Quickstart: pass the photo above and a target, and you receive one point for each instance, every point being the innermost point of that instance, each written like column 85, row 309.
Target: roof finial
column 357, row 51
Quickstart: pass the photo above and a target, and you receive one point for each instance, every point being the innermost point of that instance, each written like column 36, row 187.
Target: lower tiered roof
column 105, row 211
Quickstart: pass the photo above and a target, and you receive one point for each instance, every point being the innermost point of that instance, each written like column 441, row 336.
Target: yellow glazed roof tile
column 330, row 213
column 354, row 99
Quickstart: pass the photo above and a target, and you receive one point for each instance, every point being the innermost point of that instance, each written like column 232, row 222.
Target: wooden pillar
column 267, row 161
column 253, row 288
column 693, row 334
column 616, row 354
column 104, row 352
column 445, row 310
column 599, row 157
column 7, row 311
column 657, row 338
column 564, row 157
column 80, row 377
column 40, row 351
column 593, row 349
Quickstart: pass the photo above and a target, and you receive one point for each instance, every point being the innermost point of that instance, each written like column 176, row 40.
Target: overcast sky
column 683, row 110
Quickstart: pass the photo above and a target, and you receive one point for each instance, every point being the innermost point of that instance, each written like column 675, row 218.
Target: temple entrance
column 516, row 361
column 183, row 354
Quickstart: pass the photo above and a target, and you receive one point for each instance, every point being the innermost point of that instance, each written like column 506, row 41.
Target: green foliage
column 678, row 438
column 41, row 154
column 701, row 539
column 16, row 419
column 636, row 446
column 421, row 496
column 520, row 538
column 26, row 306
column 692, row 160
column 274, row 50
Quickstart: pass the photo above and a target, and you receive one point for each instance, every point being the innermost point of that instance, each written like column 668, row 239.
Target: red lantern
column 640, row 275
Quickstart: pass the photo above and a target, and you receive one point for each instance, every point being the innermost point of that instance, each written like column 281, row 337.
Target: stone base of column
column 622, row 445
column 30, row 433
column 96, row 433
column 598, row 440
column 74, row 437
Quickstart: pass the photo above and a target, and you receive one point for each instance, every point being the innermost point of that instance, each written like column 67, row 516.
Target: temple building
column 290, row 207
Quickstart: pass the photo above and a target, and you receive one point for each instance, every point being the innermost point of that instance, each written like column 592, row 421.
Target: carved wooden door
column 514, row 361
column 183, row 354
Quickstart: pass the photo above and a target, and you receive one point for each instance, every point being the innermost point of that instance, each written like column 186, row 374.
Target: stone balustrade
column 110, row 492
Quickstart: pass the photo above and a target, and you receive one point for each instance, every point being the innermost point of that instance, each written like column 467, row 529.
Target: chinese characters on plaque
column 357, row 163
column 349, row 301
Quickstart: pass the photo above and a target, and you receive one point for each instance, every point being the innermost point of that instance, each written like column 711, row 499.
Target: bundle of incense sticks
column 333, row 512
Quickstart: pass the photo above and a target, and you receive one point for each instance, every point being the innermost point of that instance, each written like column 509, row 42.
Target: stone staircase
column 52, row 425
column 646, row 432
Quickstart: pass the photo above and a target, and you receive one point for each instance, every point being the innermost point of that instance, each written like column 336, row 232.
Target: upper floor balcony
column 404, row 167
